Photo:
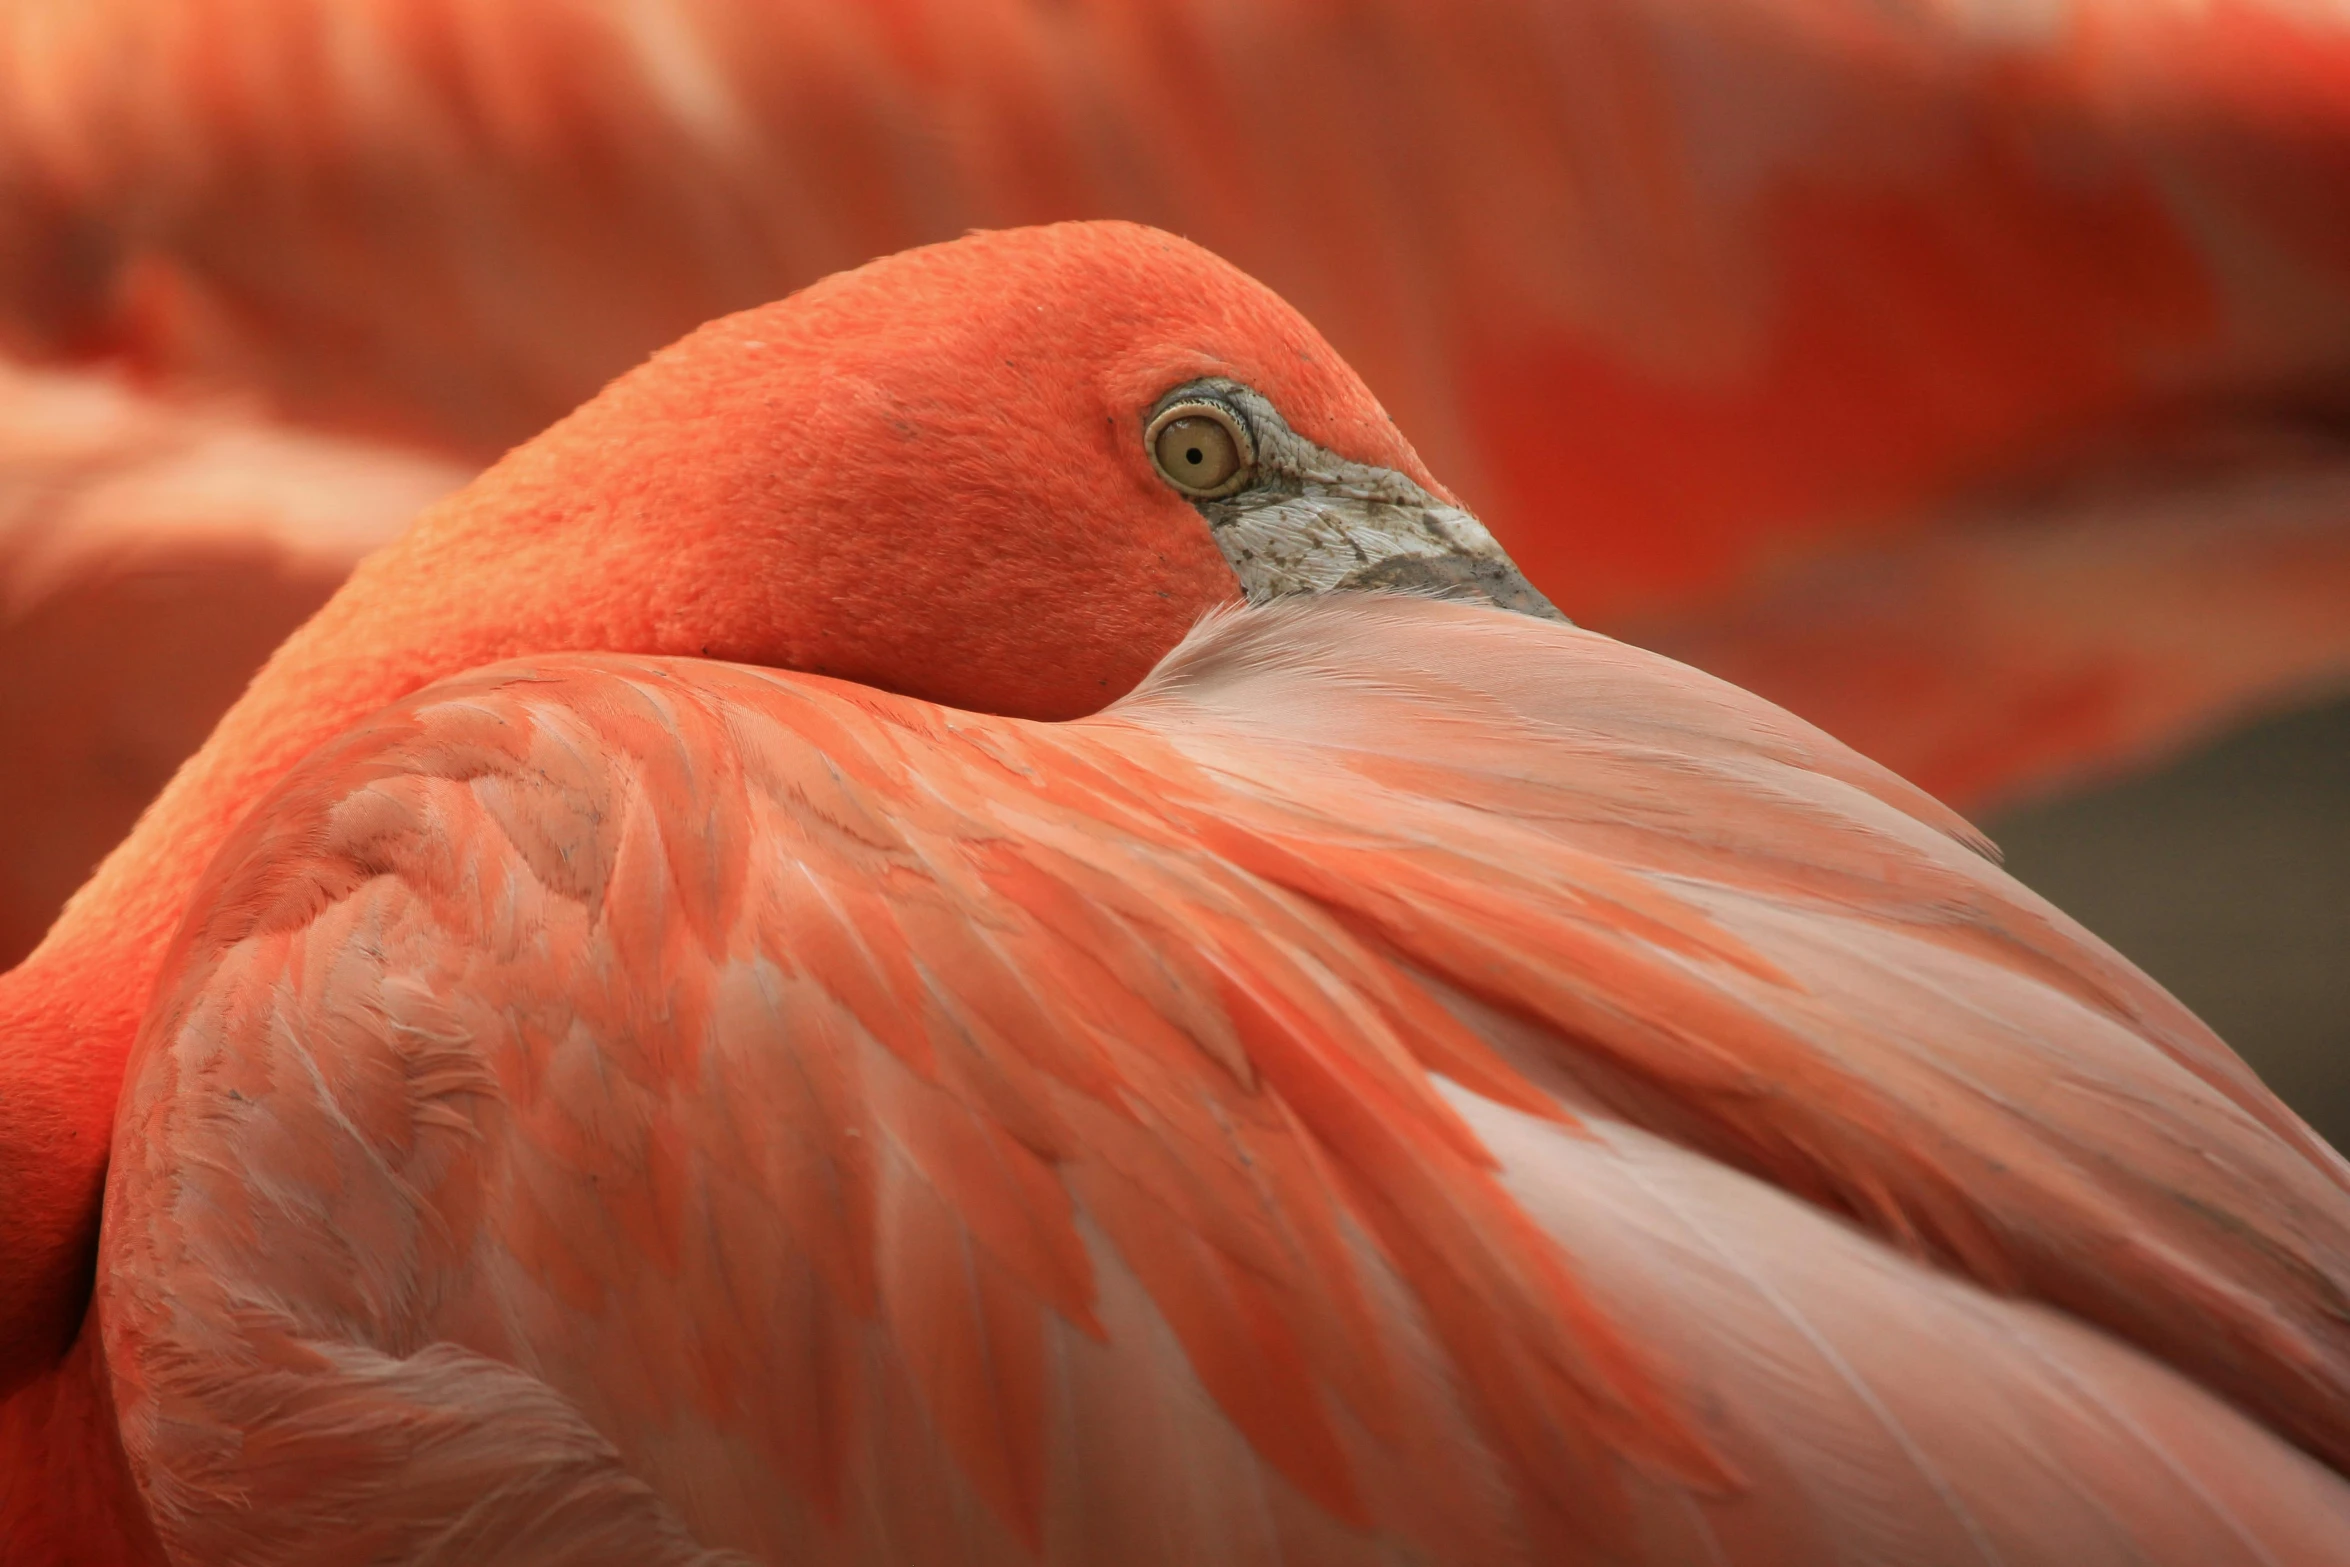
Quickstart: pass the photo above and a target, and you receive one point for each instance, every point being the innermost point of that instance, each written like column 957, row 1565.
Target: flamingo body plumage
column 1332, row 1101
column 760, row 984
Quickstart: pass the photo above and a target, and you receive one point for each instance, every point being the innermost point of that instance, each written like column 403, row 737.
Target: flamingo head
column 1006, row 472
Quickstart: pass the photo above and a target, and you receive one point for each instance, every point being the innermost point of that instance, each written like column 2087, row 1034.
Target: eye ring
column 1201, row 448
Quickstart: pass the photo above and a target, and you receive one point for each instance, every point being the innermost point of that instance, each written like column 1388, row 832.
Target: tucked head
column 1006, row 472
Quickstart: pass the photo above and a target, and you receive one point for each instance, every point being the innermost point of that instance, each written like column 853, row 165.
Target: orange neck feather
column 70, row 1011
column 68, row 1017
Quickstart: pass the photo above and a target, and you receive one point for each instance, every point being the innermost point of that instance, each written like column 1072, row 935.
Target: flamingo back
column 1408, row 1084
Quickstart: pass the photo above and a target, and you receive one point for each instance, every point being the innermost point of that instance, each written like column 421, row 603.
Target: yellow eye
column 1201, row 448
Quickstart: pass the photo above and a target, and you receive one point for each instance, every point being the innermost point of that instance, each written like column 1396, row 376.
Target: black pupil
column 1194, row 456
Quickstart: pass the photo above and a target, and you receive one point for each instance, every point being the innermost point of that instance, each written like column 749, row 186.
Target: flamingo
column 1726, row 314
column 891, row 944
column 151, row 555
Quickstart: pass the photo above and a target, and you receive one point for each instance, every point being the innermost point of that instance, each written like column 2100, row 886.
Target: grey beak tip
column 1477, row 577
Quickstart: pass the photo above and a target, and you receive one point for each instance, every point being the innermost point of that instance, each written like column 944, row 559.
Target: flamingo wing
column 1408, row 1084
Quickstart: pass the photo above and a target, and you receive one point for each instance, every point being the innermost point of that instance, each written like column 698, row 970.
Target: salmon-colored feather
column 1408, row 1083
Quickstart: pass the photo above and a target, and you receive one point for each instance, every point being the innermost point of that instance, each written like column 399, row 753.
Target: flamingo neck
column 66, row 1494
column 69, row 1013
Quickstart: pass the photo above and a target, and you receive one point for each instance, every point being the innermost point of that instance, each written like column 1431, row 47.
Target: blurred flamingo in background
column 1969, row 378
column 1406, row 1081
column 150, row 557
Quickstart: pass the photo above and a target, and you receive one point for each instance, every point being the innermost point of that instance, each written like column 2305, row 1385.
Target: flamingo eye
column 1201, row 448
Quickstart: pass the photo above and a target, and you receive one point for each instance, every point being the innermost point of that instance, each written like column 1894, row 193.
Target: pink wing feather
column 1408, row 1084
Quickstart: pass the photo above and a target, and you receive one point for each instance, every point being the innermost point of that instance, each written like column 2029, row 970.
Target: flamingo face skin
column 760, row 988
column 1307, row 520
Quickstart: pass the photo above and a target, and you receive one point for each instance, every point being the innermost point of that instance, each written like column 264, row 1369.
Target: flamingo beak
column 1311, row 521
column 1435, row 549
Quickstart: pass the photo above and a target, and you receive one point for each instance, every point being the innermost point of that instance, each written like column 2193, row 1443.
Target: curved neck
column 66, row 1495
column 71, row 1011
